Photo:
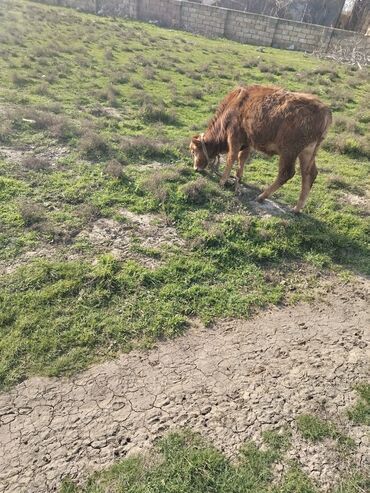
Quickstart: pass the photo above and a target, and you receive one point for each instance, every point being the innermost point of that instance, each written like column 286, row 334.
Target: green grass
column 92, row 110
column 315, row 429
column 360, row 412
column 185, row 463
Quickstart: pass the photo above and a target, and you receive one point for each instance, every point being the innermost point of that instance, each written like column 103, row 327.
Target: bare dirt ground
column 229, row 382
column 104, row 234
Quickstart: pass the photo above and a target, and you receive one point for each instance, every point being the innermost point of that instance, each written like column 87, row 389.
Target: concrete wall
column 215, row 22
column 83, row 5
column 166, row 12
column 250, row 28
column 117, row 8
column 203, row 19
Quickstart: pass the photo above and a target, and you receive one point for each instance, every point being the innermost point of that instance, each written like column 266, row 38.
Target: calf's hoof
column 260, row 198
column 296, row 210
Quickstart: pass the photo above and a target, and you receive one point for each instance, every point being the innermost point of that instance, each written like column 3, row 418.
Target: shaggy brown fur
column 271, row 120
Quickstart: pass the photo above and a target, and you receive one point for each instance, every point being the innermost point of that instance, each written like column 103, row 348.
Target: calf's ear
column 196, row 140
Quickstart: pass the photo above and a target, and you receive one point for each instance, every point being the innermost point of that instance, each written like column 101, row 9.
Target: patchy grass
column 360, row 413
column 315, row 429
column 183, row 462
column 125, row 107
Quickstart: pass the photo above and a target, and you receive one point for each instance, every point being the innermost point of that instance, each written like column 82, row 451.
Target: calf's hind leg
column 286, row 172
column 308, row 172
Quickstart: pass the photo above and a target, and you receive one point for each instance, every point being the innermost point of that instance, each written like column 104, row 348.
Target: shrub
column 137, row 84
column 93, row 145
column 57, row 126
column 344, row 123
column 330, row 72
column 108, row 55
column 114, row 168
column 19, row 80
column 120, row 77
column 152, row 113
column 195, row 192
column 194, row 93
column 35, row 163
column 149, row 73
column 271, row 69
column 356, row 146
column 109, row 94
column 143, row 148
column 157, row 183
column 88, row 212
column 42, row 89
column 5, row 131
column 31, row 212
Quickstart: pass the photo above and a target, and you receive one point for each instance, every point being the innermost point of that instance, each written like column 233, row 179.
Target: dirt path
column 229, row 383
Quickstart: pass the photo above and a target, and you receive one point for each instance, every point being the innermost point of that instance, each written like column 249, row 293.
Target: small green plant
column 356, row 482
column 295, row 481
column 315, row 429
column 278, row 440
column 360, row 413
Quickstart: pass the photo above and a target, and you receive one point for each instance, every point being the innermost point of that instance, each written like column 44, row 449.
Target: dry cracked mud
column 229, row 382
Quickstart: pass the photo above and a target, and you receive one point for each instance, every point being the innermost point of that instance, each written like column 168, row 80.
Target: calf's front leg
column 231, row 157
column 242, row 158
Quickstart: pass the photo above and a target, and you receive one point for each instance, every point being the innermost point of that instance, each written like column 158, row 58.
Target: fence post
column 180, row 14
column 224, row 35
column 275, row 29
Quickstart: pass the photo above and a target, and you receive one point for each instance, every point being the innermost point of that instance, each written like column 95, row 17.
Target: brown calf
column 271, row 120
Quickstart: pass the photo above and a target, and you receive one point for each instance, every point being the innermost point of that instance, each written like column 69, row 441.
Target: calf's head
column 199, row 157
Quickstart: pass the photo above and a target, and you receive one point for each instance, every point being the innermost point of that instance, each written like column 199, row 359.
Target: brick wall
column 218, row 22
column 250, row 28
column 83, row 5
column 165, row 12
column 203, row 19
column 300, row 36
column 117, row 8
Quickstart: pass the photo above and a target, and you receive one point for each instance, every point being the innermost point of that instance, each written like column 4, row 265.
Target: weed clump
column 35, row 163
column 315, row 429
column 57, row 126
column 18, row 80
column 109, row 94
column 194, row 93
column 197, row 191
column 360, row 412
column 157, row 183
column 5, row 131
column 93, row 146
column 114, row 169
column 356, row 146
column 143, row 148
column 152, row 113
column 31, row 213
column 88, row 213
